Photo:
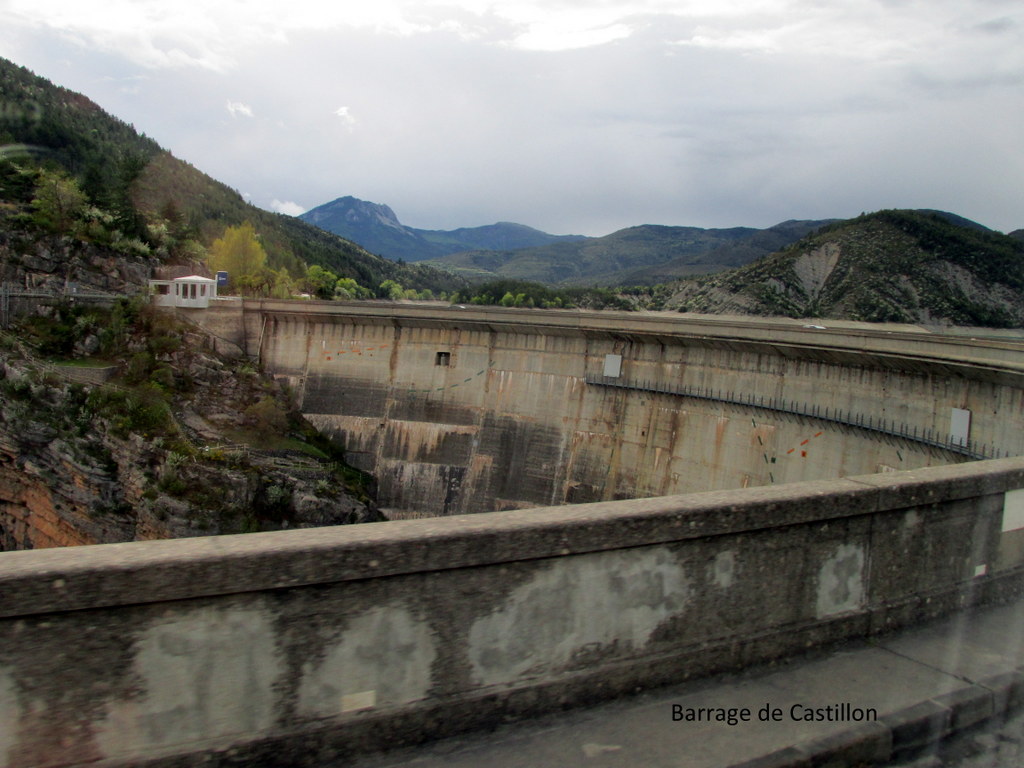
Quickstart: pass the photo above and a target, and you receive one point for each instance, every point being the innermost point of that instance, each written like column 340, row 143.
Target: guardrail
column 8, row 291
column 890, row 427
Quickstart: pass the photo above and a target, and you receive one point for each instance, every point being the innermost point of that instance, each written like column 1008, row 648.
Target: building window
column 443, row 358
column 163, row 290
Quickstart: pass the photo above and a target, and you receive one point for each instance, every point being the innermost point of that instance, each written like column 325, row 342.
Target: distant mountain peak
column 355, row 211
column 376, row 227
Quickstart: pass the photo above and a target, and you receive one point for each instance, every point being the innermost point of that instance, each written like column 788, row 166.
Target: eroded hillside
column 890, row 266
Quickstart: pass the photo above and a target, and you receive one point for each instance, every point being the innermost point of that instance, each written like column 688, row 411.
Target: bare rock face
column 55, row 263
column 813, row 269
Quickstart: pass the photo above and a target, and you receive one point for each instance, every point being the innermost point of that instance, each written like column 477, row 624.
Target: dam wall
column 458, row 410
column 306, row 647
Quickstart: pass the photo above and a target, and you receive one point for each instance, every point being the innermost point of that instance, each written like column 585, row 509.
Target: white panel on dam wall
column 960, row 425
column 612, row 366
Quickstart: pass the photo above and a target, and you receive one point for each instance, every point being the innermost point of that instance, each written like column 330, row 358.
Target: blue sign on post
column 222, row 279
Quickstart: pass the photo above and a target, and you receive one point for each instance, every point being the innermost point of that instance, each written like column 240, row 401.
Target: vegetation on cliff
column 183, row 441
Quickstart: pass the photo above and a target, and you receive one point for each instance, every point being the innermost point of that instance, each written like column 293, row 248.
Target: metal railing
column 930, row 437
column 70, row 291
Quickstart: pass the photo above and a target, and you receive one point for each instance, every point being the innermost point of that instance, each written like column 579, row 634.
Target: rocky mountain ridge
column 889, row 266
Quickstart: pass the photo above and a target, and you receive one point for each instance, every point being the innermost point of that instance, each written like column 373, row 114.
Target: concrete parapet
column 308, row 646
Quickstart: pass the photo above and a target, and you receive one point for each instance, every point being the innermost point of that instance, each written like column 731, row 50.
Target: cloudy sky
column 573, row 116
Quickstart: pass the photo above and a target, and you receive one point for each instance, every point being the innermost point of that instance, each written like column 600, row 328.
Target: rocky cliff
column 56, row 264
column 183, row 442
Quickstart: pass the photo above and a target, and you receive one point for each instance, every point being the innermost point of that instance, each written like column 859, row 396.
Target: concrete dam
column 310, row 647
column 458, row 410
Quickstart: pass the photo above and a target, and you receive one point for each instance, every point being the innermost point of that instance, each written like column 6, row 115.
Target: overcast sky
column 572, row 116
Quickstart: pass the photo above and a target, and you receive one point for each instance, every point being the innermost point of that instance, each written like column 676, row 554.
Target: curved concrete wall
column 303, row 647
column 471, row 410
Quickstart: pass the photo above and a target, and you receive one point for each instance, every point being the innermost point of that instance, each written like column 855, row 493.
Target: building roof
column 194, row 279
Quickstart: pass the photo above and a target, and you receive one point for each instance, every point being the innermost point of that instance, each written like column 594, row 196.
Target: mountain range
column 377, row 229
column 642, row 255
column 645, row 254
column 132, row 204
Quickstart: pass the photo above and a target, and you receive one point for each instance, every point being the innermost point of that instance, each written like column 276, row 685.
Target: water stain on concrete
column 607, row 603
column 206, row 675
column 841, row 581
column 383, row 659
column 723, row 569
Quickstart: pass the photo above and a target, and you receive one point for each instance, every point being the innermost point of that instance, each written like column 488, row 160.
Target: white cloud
column 570, row 115
column 213, row 36
column 286, row 207
column 346, row 118
column 236, row 108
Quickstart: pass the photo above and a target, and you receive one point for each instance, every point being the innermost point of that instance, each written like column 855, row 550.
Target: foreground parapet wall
column 306, row 646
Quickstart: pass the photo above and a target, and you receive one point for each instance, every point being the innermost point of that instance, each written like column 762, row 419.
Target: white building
column 192, row 291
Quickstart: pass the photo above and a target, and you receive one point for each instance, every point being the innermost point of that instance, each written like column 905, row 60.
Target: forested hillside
column 889, row 266
column 646, row 255
column 68, row 168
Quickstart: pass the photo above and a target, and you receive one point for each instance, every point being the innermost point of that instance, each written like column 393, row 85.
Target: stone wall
column 304, row 647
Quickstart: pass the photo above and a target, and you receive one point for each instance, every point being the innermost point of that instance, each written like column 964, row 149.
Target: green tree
column 347, row 289
column 391, row 290
column 320, row 282
column 239, row 253
column 284, row 286
column 58, row 202
column 268, row 418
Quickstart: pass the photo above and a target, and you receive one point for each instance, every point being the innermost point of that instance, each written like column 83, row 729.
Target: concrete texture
column 307, row 647
column 483, row 409
column 918, row 686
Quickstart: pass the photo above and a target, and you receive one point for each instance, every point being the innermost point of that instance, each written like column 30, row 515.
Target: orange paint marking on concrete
column 803, row 454
column 355, row 351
